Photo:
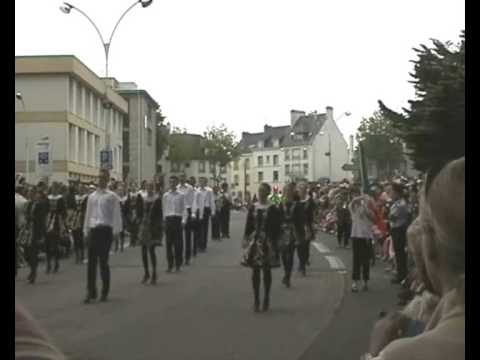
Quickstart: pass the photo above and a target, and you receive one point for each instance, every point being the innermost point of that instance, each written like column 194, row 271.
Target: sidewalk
column 348, row 336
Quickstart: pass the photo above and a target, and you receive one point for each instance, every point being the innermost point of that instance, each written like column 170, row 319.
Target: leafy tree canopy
column 434, row 126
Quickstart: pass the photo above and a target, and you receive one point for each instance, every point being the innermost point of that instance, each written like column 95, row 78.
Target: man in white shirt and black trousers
column 203, row 207
column 103, row 221
column 175, row 215
column 188, row 191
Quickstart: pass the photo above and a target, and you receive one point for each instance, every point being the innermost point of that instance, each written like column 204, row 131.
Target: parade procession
column 239, row 181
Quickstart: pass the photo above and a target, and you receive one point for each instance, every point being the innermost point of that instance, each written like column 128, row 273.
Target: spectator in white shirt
column 362, row 223
column 189, row 192
column 103, row 221
column 175, row 215
column 203, row 208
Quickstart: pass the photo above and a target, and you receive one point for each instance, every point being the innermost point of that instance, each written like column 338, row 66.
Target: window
column 296, row 154
column 247, row 179
column 175, row 166
column 268, row 159
column 212, row 167
column 235, row 180
column 235, row 165
column 260, row 161
column 149, row 137
column 201, row 167
column 305, row 154
column 275, row 159
column 187, row 165
column 247, row 164
column 275, row 175
column 287, row 169
column 296, row 169
column 305, row 169
column 223, row 169
column 260, row 176
column 287, row 154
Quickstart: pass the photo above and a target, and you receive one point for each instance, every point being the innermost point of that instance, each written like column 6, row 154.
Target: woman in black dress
column 288, row 238
column 150, row 217
column 55, row 227
column 261, row 233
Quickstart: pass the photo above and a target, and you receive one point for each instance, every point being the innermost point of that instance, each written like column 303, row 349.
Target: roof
column 183, row 147
column 131, row 92
column 69, row 64
column 305, row 129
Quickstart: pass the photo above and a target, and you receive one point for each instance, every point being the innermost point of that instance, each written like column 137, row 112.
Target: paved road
column 205, row 312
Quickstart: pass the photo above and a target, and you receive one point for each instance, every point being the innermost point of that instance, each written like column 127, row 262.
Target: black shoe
column 104, row 298
column 187, row 263
column 154, row 279
column 48, row 270
column 146, row 277
column 396, row 280
column 284, row 280
column 57, row 267
column 266, row 305
column 169, row 270
column 89, row 299
column 287, row 282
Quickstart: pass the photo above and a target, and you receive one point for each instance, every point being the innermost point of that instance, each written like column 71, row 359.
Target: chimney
column 329, row 113
column 265, row 128
column 295, row 115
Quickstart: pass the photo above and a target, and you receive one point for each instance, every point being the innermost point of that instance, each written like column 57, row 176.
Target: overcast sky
column 248, row 63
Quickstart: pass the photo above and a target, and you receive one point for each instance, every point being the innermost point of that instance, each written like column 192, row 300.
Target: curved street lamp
column 66, row 8
column 329, row 153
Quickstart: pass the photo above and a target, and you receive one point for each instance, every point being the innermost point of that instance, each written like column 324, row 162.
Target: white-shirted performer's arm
column 117, row 215
column 86, row 221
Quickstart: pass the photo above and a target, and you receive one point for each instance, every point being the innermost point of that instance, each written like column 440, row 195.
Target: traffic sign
column 106, row 159
column 44, row 158
column 349, row 167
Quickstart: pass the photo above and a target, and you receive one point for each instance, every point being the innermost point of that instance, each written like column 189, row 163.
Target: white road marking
column 335, row 262
column 322, row 249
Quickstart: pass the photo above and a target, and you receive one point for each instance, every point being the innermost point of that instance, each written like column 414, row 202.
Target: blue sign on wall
column 106, row 159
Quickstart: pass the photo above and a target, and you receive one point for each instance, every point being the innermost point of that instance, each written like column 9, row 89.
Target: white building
column 78, row 111
column 139, row 133
column 311, row 147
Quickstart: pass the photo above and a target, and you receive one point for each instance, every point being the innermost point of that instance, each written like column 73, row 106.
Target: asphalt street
column 205, row 311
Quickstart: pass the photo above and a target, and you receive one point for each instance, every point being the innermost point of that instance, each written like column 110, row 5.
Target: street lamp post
column 66, row 8
column 329, row 153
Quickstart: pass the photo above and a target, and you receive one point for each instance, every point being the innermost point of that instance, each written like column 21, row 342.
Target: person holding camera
column 361, row 235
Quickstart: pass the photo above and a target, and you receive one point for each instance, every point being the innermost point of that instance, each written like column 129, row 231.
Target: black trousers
column 361, row 258
column 216, row 226
column 267, row 283
column 204, row 223
column 120, row 241
column 189, row 233
column 343, row 233
column 174, row 241
column 399, row 238
column 302, row 253
column 288, row 259
column 99, row 245
column 78, row 245
column 225, row 222
column 52, row 249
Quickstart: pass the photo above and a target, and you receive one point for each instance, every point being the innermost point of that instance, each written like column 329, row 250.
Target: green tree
column 380, row 142
column 220, row 147
column 162, row 133
column 434, row 126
